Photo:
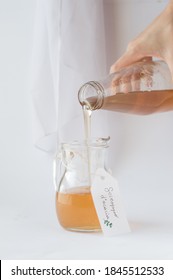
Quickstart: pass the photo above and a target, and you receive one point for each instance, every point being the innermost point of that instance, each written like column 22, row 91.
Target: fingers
column 125, row 81
column 130, row 79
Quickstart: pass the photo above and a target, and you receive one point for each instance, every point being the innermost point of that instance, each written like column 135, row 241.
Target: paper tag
column 108, row 204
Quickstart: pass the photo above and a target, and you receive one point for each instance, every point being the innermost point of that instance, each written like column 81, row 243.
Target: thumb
column 125, row 60
column 128, row 58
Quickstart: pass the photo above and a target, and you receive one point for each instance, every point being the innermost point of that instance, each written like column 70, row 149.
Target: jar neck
column 80, row 158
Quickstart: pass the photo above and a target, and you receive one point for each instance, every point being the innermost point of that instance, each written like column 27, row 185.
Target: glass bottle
column 142, row 88
column 74, row 169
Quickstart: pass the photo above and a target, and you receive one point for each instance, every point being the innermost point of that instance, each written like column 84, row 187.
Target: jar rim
column 93, row 143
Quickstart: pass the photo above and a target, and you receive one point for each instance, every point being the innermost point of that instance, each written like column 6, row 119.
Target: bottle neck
column 91, row 95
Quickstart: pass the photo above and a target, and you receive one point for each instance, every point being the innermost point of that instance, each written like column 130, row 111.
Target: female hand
column 155, row 41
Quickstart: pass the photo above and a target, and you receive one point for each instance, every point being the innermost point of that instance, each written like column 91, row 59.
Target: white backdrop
column 142, row 158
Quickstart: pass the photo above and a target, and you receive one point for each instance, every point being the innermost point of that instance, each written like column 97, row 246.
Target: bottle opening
column 91, row 95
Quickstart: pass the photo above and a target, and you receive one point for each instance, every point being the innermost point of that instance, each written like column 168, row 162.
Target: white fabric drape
column 69, row 49
column 76, row 41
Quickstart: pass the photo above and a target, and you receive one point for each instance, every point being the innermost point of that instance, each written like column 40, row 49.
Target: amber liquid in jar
column 75, row 210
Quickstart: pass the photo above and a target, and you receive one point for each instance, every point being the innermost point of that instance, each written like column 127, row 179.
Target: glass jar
column 74, row 169
column 142, row 88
